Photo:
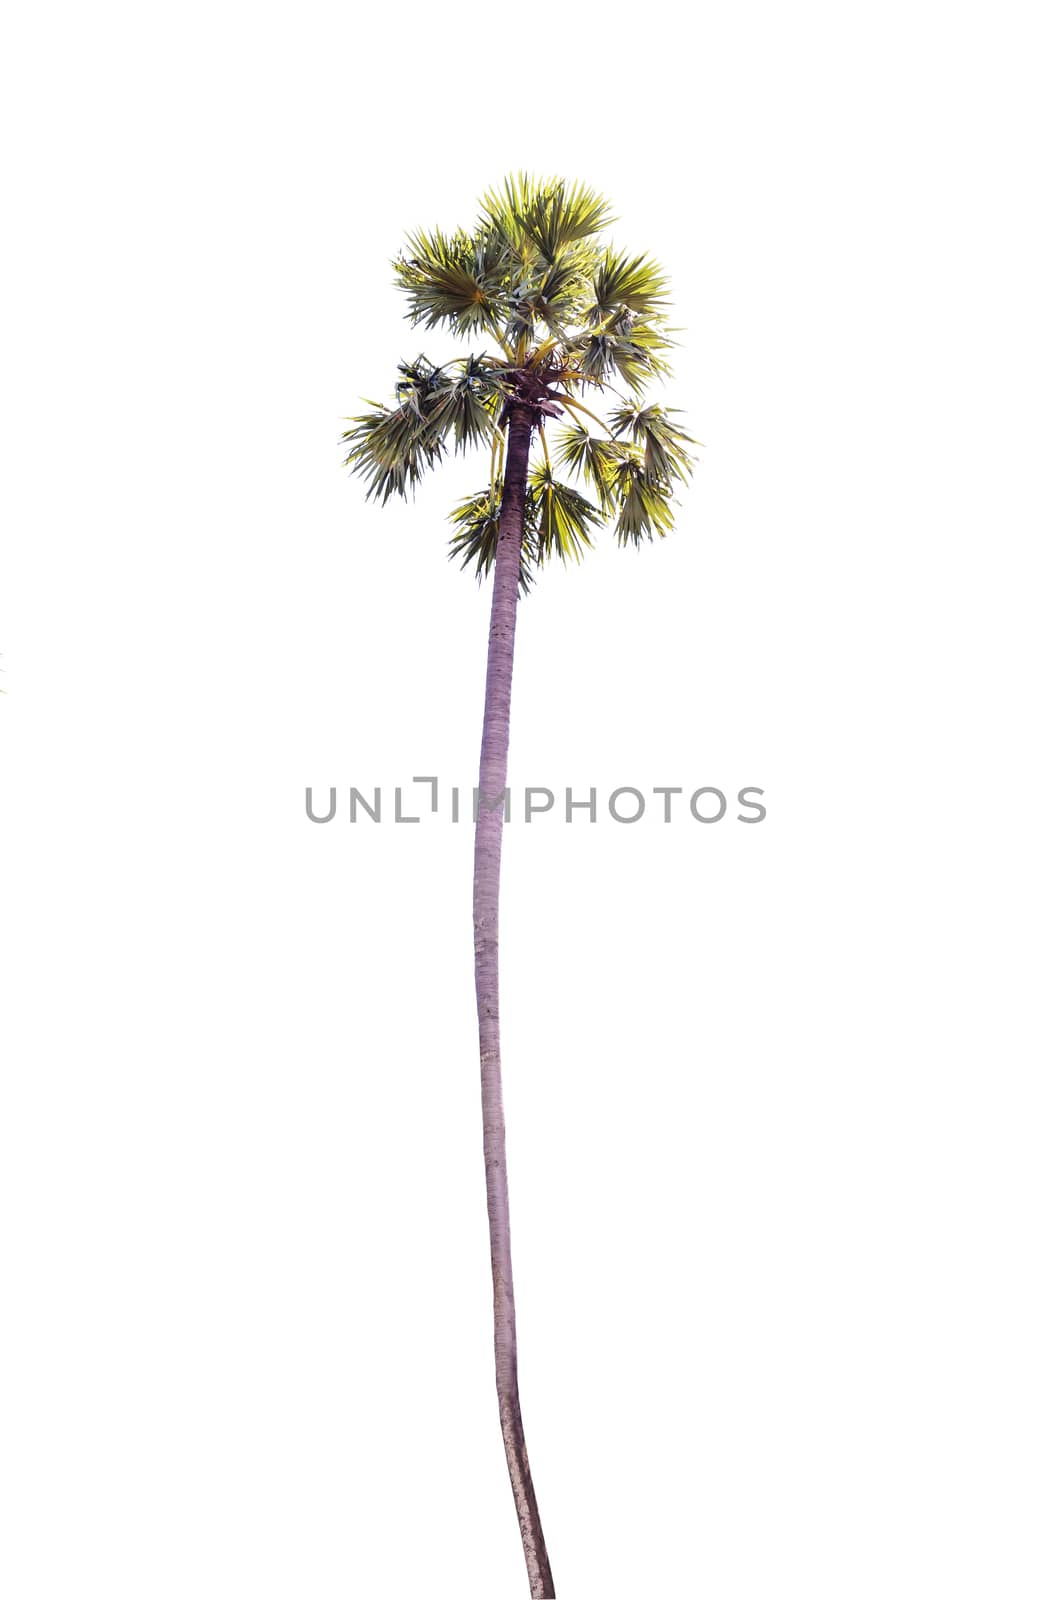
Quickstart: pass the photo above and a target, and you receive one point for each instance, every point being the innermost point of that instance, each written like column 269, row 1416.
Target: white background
column 783, row 1100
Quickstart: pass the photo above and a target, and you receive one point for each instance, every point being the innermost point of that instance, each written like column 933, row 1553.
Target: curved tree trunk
column 488, row 853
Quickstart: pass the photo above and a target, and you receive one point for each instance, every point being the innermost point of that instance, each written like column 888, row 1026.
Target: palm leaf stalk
column 567, row 316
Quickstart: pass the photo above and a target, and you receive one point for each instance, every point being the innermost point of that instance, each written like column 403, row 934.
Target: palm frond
column 564, row 521
column 547, row 213
column 663, row 443
column 638, row 352
column 456, row 279
column 476, row 520
column 597, row 459
column 595, row 355
column 635, row 283
column 643, row 503
column 466, row 406
column 555, row 297
column 391, row 450
column 621, row 343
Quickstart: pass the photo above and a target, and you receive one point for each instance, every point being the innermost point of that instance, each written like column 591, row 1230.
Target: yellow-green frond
column 457, row 280
column 663, row 443
column 634, row 283
column 547, row 213
column 475, row 539
column 564, row 521
column 596, row 459
column 644, row 508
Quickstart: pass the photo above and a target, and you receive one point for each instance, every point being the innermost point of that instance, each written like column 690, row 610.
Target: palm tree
column 567, row 316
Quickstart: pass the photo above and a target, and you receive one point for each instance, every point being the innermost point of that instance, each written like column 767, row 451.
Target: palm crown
column 568, row 317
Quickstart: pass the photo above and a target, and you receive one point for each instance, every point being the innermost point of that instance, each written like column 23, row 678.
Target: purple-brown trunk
column 494, row 753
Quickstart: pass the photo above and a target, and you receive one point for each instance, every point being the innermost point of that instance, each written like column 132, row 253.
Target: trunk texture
column 494, row 754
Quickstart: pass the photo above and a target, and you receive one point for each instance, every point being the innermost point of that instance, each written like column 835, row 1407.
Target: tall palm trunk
column 488, row 854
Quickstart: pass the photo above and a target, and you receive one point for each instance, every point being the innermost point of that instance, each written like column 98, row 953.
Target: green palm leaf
column 664, row 455
column 457, row 280
column 596, row 459
column 635, row 283
column 392, row 450
column 564, row 521
column 638, row 351
column 643, row 503
column 465, row 407
column 476, row 520
column 546, row 214
column 622, row 343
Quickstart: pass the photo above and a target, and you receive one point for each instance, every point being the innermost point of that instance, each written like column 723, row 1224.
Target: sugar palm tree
column 567, row 318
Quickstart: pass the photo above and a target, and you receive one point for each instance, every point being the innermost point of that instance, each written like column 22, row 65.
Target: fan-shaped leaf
column 597, row 460
column 563, row 519
column 664, row 455
column 476, row 520
column 636, row 283
column 643, row 502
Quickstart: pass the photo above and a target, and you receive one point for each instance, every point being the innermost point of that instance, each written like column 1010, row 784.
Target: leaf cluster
column 568, row 317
